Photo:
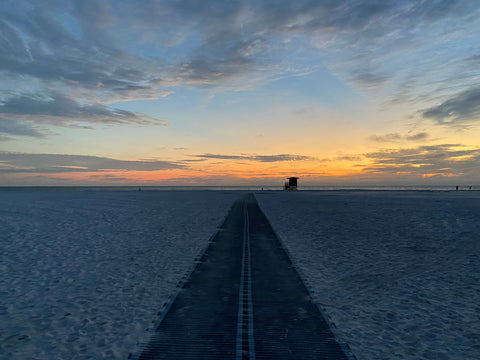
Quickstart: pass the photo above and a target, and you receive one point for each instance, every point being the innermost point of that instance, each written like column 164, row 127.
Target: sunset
column 239, row 179
column 239, row 93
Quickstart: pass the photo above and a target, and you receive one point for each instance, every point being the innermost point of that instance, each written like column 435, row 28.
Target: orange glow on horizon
column 208, row 171
column 440, row 174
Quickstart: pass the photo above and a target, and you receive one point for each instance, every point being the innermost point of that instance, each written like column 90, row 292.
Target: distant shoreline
column 238, row 188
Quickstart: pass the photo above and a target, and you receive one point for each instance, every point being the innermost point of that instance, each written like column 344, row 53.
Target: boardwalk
column 244, row 300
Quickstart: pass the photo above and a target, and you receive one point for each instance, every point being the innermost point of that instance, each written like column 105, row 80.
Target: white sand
column 398, row 272
column 83, row 274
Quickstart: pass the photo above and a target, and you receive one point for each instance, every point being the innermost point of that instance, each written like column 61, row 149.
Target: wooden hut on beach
column 291, row 184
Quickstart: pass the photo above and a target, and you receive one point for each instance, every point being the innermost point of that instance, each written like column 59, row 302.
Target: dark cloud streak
column 395, row 137
column 18, row 128
column 57, row 163
column 60, row 109
column 259, row 158
column 460, row 109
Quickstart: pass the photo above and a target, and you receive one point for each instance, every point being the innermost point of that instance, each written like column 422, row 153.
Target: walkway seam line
column 251, row 340
column 245, row 298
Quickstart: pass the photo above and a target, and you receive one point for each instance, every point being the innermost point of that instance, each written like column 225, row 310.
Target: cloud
column 60, row 109
column 107, row 177
column 418, row 136
column 237, row 38
column 462, row 108
column 349, row 158
column 77, row 51
column 259, row 158
column 193, row 160
column 395, row 137
column 18, row 128
column 281, row 157
column 386, row 138
column 90, row 42
column 51, row 46
column 222, row 157
column 97, row 52
column 370, row 79
column 442, row 160
column 55, row 163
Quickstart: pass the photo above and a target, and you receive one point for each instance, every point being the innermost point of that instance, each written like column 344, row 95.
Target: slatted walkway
column 244, row 300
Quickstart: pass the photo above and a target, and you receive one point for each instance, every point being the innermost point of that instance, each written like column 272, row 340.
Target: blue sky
column 239, row 92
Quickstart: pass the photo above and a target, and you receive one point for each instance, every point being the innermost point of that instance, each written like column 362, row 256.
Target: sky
column 215, row 92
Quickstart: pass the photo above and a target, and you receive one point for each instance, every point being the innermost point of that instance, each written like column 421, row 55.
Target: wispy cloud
column 462, row 108
column 418, row 136
column 370, row 79
column 349, row 158
column 61, row 110
column 434, row 160
column 18, row 128
column 97, row 52
column 386, row 138
column 395, row 137
column 259, row 158
column 56, row 163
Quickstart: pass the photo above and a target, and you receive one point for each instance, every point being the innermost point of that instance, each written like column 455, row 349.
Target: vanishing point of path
column 244, row 300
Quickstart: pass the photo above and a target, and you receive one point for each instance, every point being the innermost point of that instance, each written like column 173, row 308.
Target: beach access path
column 243, row 300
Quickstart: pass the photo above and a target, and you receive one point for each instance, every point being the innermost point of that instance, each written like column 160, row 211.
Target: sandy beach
column 84, row 273
column 397, row 272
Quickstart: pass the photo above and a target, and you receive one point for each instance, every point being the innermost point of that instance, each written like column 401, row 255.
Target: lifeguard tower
column 291, row 184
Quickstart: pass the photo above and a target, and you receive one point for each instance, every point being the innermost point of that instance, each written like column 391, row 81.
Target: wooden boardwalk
column 244, row 300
